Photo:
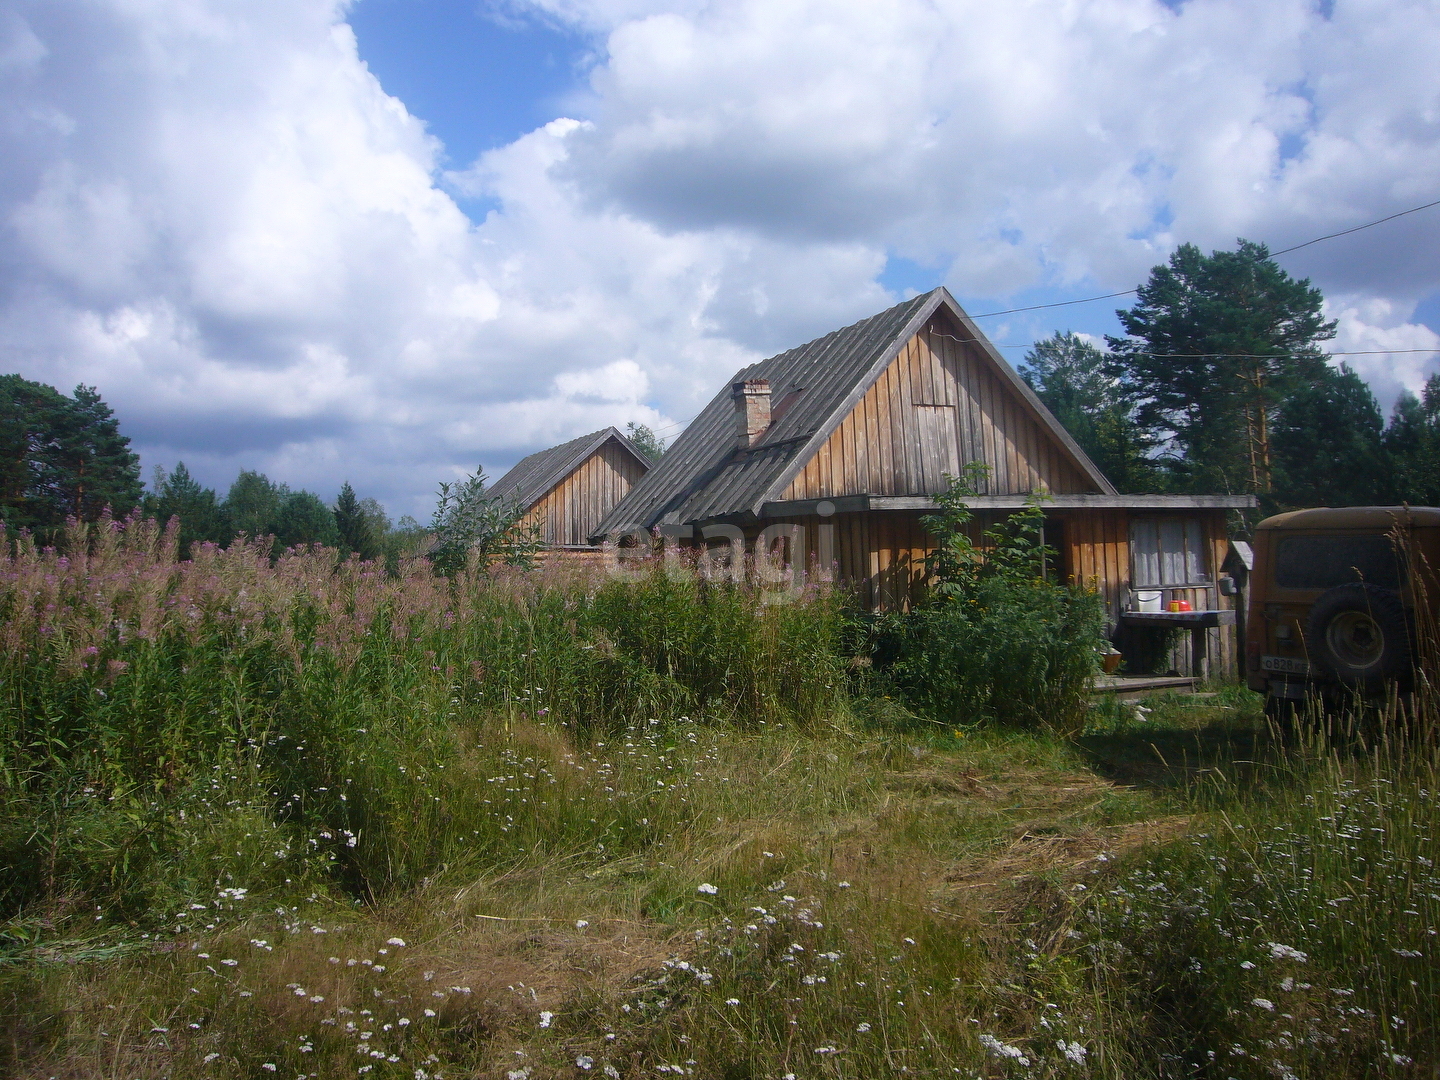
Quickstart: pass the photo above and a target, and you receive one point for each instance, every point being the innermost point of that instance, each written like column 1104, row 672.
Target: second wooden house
column 569, row 489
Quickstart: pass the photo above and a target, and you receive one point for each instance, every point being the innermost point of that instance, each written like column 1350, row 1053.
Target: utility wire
column 1282, row 251
column 1357, row 228
column 1128, row 292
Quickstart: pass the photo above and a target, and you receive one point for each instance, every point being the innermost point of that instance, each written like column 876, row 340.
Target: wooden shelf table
column 1197, row 622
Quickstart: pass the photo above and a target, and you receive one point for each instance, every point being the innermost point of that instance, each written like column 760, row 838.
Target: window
column 939, row 451
column 1168, row 553
column 1321, row 562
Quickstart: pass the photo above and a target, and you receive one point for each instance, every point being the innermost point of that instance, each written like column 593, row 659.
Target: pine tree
column 1215, row 343
column 101, row 470
column 1412, row 447
column 177, row 494
column 355, row 525
column 1082, row 387
column 1327, row 444
column 61, row 457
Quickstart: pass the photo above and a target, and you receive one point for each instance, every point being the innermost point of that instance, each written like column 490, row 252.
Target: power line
column 1061, row 303
column 1357, row 228
column 1282, row 251
column 1128, row 292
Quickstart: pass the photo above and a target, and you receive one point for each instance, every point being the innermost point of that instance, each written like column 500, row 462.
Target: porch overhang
column 853, row 504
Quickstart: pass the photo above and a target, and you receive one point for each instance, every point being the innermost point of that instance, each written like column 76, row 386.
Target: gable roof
column 531, row 477
column 704, row 477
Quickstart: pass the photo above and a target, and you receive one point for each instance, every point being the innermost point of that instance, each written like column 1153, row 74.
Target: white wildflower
column 1263, row 1003
column 584, row 1061
column 732, row 1001
column 612, row 1072
column 1285, row 952
column 1072, row 1051
column 826, row 1050
column 269, row 1066
column 863, row 1028
column 399, row 943
column 1004, row 1050
column 581, row 924
column 210, row 1057
column 706, row 888
column 546, row 1018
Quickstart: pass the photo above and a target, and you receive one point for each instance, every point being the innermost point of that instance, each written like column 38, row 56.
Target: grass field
column 365, row 857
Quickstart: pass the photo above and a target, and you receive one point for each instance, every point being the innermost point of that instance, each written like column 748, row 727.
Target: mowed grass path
column 833, row 902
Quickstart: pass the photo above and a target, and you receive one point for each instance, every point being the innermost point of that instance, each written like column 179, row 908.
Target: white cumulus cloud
column 214, row 212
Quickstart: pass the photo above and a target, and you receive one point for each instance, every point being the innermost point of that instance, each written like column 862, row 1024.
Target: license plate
column 1284, row 665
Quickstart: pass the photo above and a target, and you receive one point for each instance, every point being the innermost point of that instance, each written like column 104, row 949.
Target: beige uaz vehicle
column 1334, row 597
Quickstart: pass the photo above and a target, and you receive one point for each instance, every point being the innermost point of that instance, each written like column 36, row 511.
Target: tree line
column 1219, row 385
column 257, row 506
column 63, row 456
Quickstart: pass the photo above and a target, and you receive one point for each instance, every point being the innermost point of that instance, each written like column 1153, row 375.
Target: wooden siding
column 938, row 405
column 574, row 507
column 881, row 556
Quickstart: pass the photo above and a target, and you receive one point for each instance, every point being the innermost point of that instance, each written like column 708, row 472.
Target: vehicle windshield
column 1322, row 562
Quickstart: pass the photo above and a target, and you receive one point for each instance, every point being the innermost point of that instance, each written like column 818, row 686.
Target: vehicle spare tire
column 1360, row 634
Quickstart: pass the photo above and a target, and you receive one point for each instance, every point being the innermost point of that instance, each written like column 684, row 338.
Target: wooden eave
column 851, row 504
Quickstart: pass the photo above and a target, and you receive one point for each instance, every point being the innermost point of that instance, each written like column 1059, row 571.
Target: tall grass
column 166, row 725
column 1296, row 935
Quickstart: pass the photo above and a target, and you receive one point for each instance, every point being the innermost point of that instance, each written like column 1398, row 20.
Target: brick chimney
column 752, row 411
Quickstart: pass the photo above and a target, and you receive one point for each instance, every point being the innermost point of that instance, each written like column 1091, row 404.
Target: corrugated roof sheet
column 533, row 476
column 704, row 476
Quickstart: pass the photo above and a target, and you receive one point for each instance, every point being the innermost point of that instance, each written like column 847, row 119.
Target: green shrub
column 996, row 640
column 1010, row 652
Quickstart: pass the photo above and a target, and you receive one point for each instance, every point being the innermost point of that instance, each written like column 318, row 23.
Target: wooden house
column 850, row 437
column 569, row 489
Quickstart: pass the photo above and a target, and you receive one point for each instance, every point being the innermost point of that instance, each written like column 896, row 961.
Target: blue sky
column 389, row 240
column 478, row 81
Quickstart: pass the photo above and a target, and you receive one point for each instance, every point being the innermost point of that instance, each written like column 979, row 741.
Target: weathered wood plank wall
column 881, row 555
column 573, row 508
column 936, row 407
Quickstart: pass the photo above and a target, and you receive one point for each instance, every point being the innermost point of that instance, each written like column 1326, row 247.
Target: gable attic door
column 941, row 402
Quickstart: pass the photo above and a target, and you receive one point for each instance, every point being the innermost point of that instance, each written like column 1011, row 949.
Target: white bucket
column 1148, row 600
